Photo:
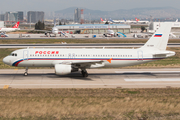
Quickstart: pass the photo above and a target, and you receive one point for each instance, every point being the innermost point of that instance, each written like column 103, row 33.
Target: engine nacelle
column 61, row 69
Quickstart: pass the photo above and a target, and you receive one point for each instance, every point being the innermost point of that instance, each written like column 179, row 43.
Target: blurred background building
column 35, row 16
column 77, row 15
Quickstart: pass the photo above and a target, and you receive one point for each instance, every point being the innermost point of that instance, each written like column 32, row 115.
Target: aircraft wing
column 48, row 31
column 86, row 63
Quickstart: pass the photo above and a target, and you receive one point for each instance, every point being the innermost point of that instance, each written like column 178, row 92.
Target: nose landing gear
column 26, row 72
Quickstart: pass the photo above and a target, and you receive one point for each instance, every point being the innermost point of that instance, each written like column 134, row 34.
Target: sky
column 104, row 5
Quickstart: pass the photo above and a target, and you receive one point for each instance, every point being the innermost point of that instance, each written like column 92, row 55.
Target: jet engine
column 61, row 69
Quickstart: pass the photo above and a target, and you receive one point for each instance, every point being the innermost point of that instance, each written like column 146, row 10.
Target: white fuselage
column 50, row 57
column 54, row 30
column 110, row 32
column 8, row 29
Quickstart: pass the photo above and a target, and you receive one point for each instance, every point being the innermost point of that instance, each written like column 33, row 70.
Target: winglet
column 109, row 60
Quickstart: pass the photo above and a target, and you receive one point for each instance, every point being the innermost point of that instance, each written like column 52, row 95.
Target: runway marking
column 154, row 79
column 6, row 87
column 147, row 71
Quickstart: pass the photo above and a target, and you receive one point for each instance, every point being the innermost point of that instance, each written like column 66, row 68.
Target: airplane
column 14, row 28
column 126, row 21
column 143, row 22
column 55, row 31
column 66, row 61
column 109, row 33
column 104, row 21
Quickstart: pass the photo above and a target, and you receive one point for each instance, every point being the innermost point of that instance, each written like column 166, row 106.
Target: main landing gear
column 26, row 72
column 84, row 73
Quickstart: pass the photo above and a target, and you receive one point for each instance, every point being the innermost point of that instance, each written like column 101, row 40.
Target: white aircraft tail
column 54, row 22
column 160, row 38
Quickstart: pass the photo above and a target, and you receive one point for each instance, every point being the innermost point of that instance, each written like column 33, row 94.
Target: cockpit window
column 13, row 54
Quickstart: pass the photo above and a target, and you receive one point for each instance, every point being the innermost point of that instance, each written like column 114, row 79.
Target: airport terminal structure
column 94, row 28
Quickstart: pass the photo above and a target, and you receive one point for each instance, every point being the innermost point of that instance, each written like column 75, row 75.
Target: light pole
column 30, row 20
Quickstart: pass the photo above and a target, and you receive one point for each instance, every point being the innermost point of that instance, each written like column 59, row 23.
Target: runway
column 81, row 45
column 98, row 78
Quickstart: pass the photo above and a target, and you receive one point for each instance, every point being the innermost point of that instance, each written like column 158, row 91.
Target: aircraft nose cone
column 5, row 60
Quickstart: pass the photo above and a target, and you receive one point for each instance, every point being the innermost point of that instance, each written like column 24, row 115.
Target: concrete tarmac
column 98, row 78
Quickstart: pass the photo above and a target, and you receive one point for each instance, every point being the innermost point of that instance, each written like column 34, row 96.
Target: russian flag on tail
column 158, row 35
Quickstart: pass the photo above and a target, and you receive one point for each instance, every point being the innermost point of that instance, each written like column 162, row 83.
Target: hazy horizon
column 104, row 5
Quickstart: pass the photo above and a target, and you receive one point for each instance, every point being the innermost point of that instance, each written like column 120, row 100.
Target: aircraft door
column 71, row 56
column 140, row 55
column 25, row 55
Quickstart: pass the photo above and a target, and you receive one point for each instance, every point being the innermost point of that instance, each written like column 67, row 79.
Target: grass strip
column 126, row 104
column 58, row 41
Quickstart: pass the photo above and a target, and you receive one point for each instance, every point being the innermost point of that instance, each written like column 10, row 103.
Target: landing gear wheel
column 84, row 73
column 25, row 74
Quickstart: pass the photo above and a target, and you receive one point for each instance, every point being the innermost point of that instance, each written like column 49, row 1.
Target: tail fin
column 101, row 19
column 160, row 38
column 54, row 22
column 124, row 19
column 137, row 19
column 16, row 25
column 111, row 20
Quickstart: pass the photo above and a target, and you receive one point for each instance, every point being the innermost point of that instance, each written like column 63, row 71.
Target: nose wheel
column 84, row 73
column 26, row 72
